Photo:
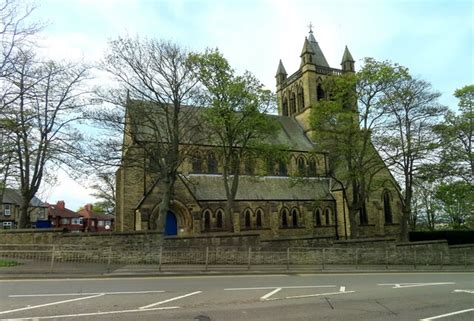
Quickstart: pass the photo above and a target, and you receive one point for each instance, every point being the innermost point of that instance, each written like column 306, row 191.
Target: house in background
column 10, row 209
column 95, row 222
column 61, row 217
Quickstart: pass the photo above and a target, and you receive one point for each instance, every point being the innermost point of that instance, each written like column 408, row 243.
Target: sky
column 434, row 39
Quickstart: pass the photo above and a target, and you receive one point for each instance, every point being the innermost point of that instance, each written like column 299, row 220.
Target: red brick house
column 95, row 222
column 61, row 217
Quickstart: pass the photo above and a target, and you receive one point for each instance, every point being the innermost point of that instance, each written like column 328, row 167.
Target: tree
column 235, row 117
column 344, row 122
column 425, row 206
column 15, row 33
column 104, row 191
column 47, row 98
column 408, row 141
column 457, row 203
column 456, row 133
column 159, row 115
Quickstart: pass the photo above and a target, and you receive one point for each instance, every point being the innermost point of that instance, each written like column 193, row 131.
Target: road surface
column 369, row 296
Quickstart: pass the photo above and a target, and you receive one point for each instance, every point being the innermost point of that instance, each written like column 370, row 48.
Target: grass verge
column 4, row 263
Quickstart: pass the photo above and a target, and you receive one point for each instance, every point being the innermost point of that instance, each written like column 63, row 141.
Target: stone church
column 293, row 199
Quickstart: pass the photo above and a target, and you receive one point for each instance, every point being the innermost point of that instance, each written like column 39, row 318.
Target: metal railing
column 72, row 258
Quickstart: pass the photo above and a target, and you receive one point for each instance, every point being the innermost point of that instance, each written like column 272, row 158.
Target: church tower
column 299, row 91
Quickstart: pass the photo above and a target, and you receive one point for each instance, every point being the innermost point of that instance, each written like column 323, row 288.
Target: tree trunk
column 354, row 229
column 158, row 221
column 406, row 210
column 24, row 218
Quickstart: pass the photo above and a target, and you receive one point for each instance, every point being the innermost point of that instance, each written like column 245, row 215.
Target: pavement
column 44, row 269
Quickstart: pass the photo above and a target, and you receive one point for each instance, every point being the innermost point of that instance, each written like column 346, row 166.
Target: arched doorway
column 171, row 225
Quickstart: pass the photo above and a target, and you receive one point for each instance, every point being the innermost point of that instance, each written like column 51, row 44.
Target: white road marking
column 342, row 289
column 89, row 314
column 169, row 300
column 269, row 294
column 318, row 294
column 466, row 291
column 52, row 303
column 282, row 287
column 75, row 294
column 412, row 285
column 447, row 315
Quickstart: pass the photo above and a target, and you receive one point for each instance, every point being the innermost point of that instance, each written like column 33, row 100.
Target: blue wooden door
column 171, row 226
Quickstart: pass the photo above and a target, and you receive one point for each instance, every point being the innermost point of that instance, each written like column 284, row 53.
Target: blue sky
column 434, row 39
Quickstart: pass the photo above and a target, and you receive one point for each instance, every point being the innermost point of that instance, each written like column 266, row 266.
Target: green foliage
column 457, row 203
column 236, row 108
column 235, row 115
column 456, row 139
column 5, row 263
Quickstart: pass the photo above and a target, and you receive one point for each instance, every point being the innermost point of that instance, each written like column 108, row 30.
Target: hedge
column 454, row 237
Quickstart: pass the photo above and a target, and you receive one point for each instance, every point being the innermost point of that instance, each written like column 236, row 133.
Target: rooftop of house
column 88, row 212
column 13, row 196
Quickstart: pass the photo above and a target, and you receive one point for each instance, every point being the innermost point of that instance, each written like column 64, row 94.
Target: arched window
column 300, row 99
column 211, row 163
column 317, row 217
column 301, row 166
column 327, row 214
column 248, row 218
column 270, row 166
column 206, row 216
column 319, row 92
column 364, row 219
column 196, row 163
column 249, row 167
column 285, row 107
column 292, row 104
column 312, row 167
column 294, row 217
column 387, row 209
column 284, row 217
column 282, row 169
column 259, row 218
column 219, row 218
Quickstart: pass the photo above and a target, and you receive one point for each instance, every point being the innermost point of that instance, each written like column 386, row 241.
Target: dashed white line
column 76, row 294
column 447, row 315
column 318, row 294
column 88, row 314
column 282, row 287
column 52, row 303
column 168, row 300
column 412, row 285
column 269, row 294
column 465, row 291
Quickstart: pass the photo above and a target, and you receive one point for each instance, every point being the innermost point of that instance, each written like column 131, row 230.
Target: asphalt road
column 374, row 296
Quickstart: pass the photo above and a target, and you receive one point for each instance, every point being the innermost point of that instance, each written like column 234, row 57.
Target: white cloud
column 74, row 194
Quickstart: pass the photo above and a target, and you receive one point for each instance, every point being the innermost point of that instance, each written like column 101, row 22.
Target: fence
column 72, row 258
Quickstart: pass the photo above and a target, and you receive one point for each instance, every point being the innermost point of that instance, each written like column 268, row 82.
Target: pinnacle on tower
column 318, row 56
column 281, row 69
column 347, row 62
column 281, row 73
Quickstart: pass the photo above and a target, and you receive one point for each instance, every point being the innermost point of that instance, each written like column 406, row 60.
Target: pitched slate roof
column 347, row 56
column 206, row 187
column 281, row 69
column 12, row 196
column 289, row 134
column 318, row 56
